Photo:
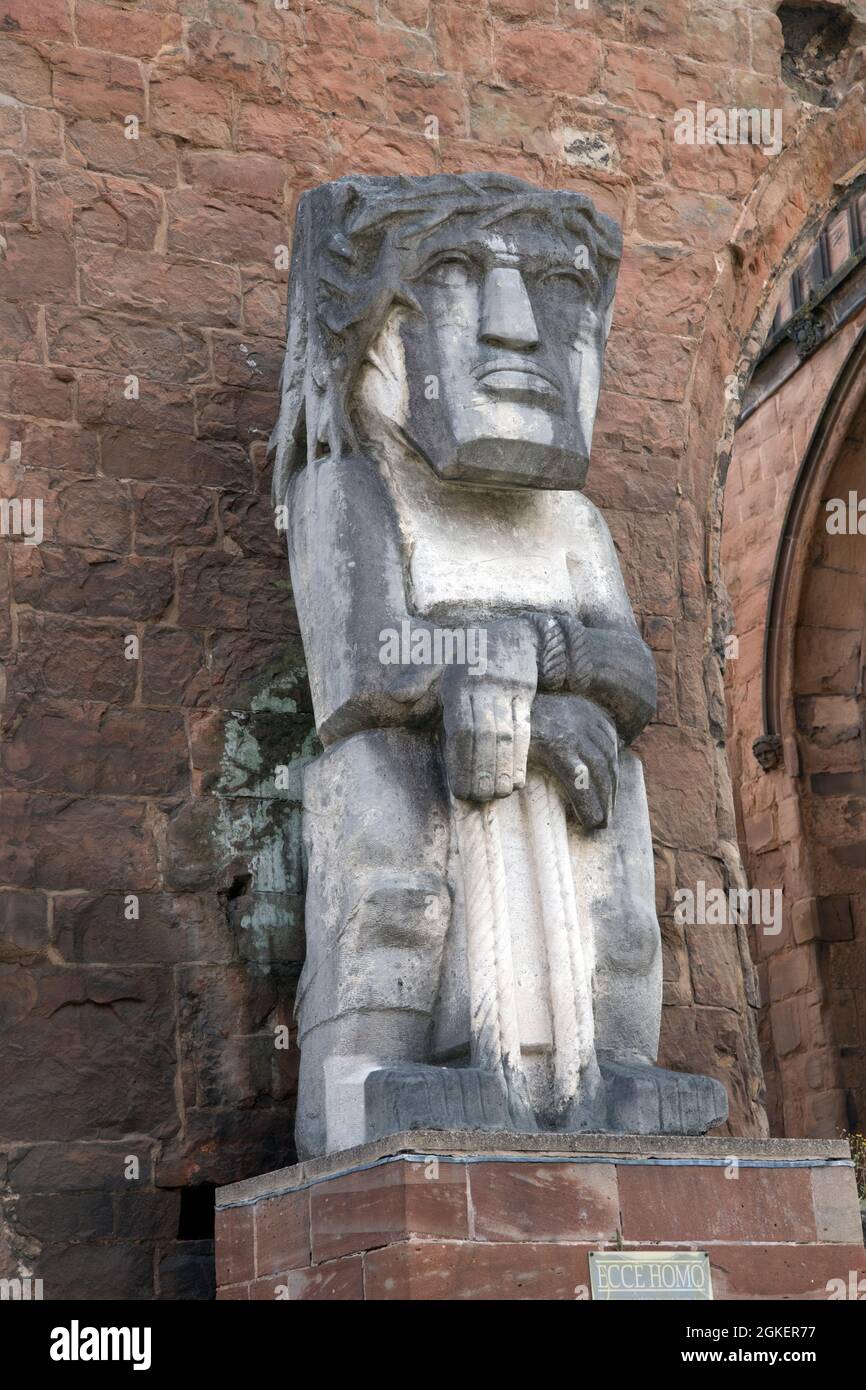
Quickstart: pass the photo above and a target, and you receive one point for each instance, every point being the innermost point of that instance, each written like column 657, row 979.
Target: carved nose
column 507, row 319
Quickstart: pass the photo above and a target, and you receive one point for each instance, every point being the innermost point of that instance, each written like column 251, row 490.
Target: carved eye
column 565, row 281
column 566, row 296
column 451, row 270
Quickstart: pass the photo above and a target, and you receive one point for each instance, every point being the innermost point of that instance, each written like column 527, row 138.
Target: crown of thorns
column 354, row 241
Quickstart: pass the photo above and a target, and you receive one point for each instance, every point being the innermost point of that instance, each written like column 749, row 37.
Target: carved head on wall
column 466, row 312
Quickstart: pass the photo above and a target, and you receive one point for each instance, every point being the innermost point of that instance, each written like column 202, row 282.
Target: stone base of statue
column 434, row 1215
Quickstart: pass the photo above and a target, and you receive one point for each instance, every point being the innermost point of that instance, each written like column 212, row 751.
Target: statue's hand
column 485, row 714
column 611, row 666
column 576, row 743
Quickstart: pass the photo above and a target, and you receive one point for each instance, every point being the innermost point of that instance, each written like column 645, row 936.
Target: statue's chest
column 471, row 551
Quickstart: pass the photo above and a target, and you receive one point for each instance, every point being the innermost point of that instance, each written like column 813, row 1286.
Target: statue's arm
column 621, row 678
column 605, row 658
column 349, row 588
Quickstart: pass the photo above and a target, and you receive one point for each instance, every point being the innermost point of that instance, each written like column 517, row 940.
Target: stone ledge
column 502, row 1144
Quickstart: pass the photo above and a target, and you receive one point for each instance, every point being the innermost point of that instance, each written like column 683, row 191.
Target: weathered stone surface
column 501, row 1272
column 146, row 1215
column 166, row 517
column 96, row 1015
column 335, row 96
column 79, row 1167
column 60, row 1216
column 103, row 145
column 153, row 928
column 759, row 1204
column 131, row 453
column 219, row 590
column 102, row 339
column 785, row 1271
column 91, row 582
column 378, row 540
column 24, row 934
column 282, row 1234
column 789, row 1209
column 191, row 109
column 72, row 659
column 61, row 842
column 231, row 232
column 515, row 1202
column 47, row 19
column 135, row 281
column 100, row 85
column 228, row 1015
column 236, row 1245
column 242, row 362
column 40, row 269
column 240, row 60
column 98, row 207
column 187, row 1272
column 215, row 1145
column 29, row 77
column 98, row 1271
column 441, row 1142
column 715, row 965
column 141, row 35
column 780, row 810
column 24, row 390
column 231, row 413
column 341, row 1279
column 174, row 667
column 139, row 751
column 365, row 1210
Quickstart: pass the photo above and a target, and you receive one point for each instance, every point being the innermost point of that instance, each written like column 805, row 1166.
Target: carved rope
column 495, row 1044
column 570, row 987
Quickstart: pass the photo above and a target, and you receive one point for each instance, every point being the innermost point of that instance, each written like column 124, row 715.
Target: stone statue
column 482, row 944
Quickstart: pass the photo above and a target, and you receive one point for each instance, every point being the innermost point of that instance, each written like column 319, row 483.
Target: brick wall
column 141, row 293
column 802, row 822
column 419, row 1228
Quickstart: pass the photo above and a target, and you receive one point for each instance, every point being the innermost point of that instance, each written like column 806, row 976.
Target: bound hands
column 486, row 713
column 495, row 724
column 575, row 741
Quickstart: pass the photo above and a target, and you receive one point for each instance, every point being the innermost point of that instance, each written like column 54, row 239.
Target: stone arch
column 780, row 216
column 769, row 557
column 821, row 702
column 839, row 416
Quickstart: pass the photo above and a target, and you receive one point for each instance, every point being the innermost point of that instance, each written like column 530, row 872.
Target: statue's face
column 501, row 367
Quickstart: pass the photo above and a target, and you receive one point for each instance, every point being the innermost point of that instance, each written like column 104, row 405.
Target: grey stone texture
column 482, row 946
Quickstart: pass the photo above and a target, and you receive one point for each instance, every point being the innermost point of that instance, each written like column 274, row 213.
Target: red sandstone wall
column 803, row 822
column 157, row 258
column 524, row 1231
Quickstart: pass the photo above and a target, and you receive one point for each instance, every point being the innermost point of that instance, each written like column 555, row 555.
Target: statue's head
column 467, row 313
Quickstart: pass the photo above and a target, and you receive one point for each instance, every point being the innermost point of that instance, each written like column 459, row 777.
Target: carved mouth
column 518, row 381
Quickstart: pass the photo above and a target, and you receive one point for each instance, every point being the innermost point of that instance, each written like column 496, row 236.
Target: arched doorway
column 796, row 574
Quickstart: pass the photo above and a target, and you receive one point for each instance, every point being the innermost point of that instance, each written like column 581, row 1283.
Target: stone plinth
column 433, row 1215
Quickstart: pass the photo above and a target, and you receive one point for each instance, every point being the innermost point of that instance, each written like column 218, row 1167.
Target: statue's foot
column 587, row 1113
column 413, row 1096
column 643, row 1099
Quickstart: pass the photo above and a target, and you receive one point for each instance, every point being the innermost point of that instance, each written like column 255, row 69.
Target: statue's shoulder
column 585, row 515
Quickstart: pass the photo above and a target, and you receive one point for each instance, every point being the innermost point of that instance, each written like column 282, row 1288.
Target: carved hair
column 354, row 246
